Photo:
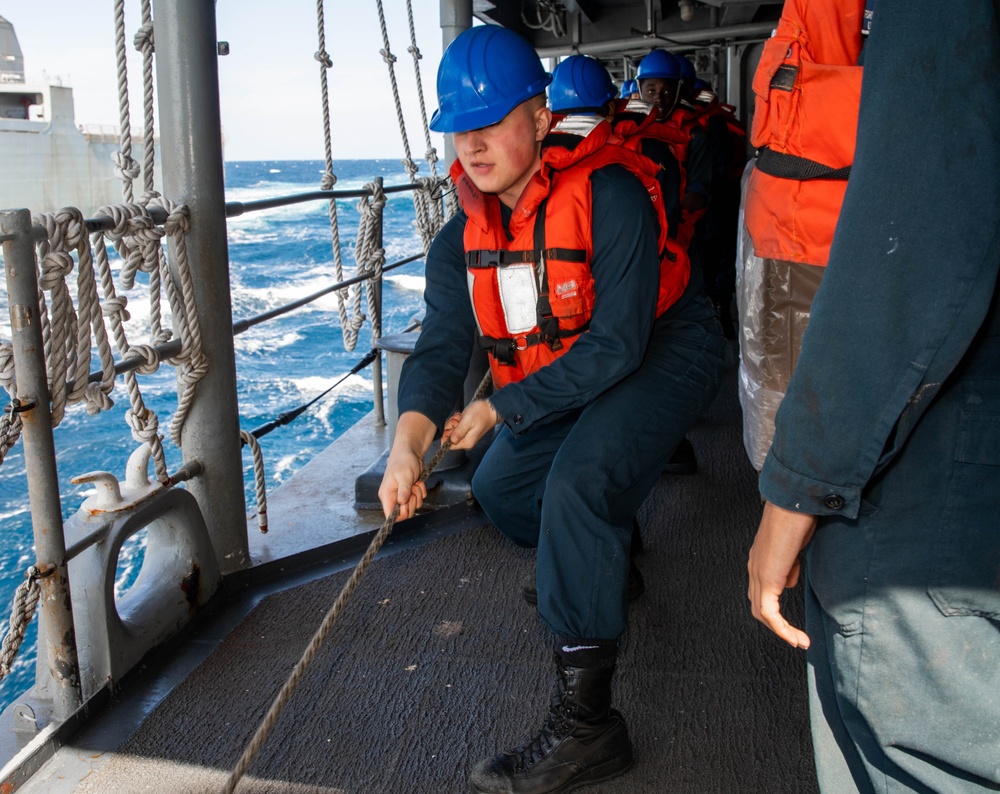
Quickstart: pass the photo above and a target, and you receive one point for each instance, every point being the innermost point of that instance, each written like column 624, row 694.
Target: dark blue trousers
column 572, row 486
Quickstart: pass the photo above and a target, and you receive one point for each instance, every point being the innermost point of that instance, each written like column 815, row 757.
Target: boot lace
column 557, row 725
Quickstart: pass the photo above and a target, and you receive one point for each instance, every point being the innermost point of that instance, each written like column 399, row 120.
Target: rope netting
column 428, row 205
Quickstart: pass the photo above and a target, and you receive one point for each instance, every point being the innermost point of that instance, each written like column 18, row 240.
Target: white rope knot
column 328, row 180
column 126, row 167
column 324, row 58
column 73, row 226
column 431, row 156
column 143, row 39
column 410, row 167
column 194, row 370
column 143, row 228
column 116, row 306
column 415, row 52
column 97, row 400
column 178, row 219
column 148, row 354
column 144, row 424
column 387, row 56
column 119, row 216
column 55, row 266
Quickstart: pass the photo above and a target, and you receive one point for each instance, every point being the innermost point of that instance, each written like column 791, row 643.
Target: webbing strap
column 501, row 258
column 789, row 166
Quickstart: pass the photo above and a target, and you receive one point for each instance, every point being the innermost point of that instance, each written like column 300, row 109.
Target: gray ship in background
column 46, row 159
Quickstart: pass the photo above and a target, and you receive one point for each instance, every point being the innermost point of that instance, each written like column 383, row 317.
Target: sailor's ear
column 543, row 120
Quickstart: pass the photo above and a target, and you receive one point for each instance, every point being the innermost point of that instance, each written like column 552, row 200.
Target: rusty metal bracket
column 18, row 407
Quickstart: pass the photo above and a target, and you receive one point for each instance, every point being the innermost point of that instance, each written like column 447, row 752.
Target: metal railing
column 19, row 237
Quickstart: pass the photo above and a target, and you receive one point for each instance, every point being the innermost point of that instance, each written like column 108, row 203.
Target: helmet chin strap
column 664, row 114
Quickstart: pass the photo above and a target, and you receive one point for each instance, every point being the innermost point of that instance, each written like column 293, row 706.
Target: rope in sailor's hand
column 331, row 617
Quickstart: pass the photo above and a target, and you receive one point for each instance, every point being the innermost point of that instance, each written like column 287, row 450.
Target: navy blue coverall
column 890, row 429
column 585, row 438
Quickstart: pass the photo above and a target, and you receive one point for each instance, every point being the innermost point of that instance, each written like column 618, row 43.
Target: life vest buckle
column 484, row 258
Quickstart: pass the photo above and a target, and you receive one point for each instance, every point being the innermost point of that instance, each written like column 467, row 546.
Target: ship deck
column 437, row 662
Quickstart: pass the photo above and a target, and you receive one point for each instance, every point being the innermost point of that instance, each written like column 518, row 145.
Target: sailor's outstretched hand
column 401, row 483
column 774, row 565
column 465, row 429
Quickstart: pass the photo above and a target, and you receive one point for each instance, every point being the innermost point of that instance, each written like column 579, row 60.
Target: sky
column 270, row 81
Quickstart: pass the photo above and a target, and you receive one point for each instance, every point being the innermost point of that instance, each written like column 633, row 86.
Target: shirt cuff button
column 834, row 502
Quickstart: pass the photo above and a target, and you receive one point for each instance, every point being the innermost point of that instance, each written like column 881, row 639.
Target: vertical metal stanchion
column 377, row 331
column 456, row 16
column 187, row 72
column 58, row 673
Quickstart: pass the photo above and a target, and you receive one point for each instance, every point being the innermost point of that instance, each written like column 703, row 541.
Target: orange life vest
column 807, row 88
column 632, row 126
column 533, row 292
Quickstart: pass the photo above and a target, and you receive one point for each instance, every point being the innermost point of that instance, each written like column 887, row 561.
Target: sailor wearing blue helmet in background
column 580, row 85
column 605, row 364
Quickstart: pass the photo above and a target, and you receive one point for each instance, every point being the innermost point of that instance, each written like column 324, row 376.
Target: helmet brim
column 485, row 116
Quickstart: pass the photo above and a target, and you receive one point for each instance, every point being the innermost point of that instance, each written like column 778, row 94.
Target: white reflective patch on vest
column 577, row 125
column 638, row 106
column 518, row 296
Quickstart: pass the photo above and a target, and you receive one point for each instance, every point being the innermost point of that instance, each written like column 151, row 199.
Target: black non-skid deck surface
column 437, row 662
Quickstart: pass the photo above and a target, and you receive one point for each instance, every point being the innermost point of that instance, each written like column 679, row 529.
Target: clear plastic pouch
column 519, row 297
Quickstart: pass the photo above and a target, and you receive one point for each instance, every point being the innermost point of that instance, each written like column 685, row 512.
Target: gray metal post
column 377, row 332
column 187, row 74
column 62, row 672
column 456, row 16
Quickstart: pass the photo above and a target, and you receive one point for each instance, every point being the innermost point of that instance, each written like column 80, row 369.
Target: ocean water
column 276, row 256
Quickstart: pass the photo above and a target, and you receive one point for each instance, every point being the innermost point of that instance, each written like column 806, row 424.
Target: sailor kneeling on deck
column 603, row 354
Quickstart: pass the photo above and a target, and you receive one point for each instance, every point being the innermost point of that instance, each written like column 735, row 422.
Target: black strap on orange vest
column 789, row 166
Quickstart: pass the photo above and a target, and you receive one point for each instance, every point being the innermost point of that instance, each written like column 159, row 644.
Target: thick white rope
column 10, row 423
column 126, row 168
column 143, row 41
column 258, row 478
column 435, row 209
column 194, row 367
column 351, row 324
column 368, row 250
column 21, row 612
column 422, row 212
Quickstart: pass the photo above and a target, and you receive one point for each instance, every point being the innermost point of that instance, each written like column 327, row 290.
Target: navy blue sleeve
column 626, row 279
column 914, row 258
column 432, row 377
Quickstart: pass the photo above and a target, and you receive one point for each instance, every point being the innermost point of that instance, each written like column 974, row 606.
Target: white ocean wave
column 264, row 341
column 407, row 282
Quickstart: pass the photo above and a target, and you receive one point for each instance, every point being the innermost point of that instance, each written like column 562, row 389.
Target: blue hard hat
column 687, row 68
column 629, row 87
column 484, row 74
column 702, row 85
column 659, row 63
column 580, row 83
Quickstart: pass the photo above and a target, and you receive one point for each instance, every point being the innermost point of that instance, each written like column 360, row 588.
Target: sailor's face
column 660, row 92
column 501, row 158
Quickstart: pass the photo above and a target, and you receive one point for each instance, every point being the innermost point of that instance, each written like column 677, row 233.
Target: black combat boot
column 583, row 741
